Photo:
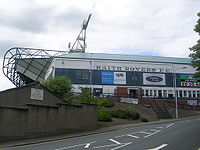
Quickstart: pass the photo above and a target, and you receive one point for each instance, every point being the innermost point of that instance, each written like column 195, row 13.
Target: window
column 181, row 93
column 194, row 94
column 134, row 76
column 147, row 93
column 198, row 94
column 170, row 93
column 82, row 74
column 85, row 74
column 164, row 93
column 189, row 94
column 185, row 93
column 151, row 92
column 155, row 93
column 142, row 92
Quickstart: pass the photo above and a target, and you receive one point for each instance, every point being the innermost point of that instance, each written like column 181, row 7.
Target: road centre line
column 159, row 147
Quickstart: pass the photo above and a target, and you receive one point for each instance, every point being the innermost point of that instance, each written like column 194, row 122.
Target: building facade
column 143, row 76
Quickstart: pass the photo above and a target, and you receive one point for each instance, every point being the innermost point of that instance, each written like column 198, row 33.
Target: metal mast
column 79, row 45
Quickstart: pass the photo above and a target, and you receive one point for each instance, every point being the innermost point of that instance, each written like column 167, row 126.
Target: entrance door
column 133, row 93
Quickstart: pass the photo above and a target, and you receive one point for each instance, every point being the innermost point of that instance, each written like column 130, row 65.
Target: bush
column 144, row 119
column 125, row 114
column 60, row 86
column 105, row 103
column 104, row 116
column 119, row 113
column 132, row 114
column 86, row 95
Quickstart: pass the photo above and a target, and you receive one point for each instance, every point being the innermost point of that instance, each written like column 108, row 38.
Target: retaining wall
column 21, row 117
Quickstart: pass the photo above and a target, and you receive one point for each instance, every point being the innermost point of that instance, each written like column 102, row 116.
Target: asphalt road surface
column 175, row 135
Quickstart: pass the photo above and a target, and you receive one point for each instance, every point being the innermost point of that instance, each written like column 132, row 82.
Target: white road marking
column 118, row 145
column 169, row 125
column 152, row 133
column 144, row 132
column 87, row 145
column 154, row 130
column 159, row 147
column 63, row 148
column 133, row 136
column 159, row 127
column 126, row 134
column 124, row 144
column 116, row 142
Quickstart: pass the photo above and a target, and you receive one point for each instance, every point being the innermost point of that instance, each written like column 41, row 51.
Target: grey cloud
column 33, row 19
column 6, row 45
column 71, row 18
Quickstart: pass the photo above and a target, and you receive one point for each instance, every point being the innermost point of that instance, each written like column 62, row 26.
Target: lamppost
column 175, row 89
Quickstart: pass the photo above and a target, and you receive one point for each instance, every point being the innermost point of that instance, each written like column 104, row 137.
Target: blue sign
column 107, row 77
column 154, row 79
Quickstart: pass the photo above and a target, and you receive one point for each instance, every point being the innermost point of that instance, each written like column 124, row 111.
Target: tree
column 60, row 86
column 195, row 55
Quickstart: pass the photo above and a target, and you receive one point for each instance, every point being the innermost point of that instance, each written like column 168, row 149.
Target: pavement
column 11, row 144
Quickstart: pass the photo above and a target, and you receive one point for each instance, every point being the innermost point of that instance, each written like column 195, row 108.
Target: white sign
column 129, row 100
column 119, row 77
column 131, row 68
column 192, row 102
column 153, row 79
column 37, row 94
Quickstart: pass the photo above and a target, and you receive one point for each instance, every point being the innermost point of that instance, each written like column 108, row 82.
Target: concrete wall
column 26, row 118
column 19, row 97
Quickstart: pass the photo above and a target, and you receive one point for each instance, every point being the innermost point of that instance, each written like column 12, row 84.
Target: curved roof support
column 26, row 65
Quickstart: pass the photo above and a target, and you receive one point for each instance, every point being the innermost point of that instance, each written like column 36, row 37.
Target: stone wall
column 29, row 118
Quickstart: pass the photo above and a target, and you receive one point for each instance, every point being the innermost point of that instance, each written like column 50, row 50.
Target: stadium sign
column 125, row 68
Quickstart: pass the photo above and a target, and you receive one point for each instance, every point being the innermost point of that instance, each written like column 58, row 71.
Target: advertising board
column 153, row 79
column 188, row 80
column 113, row 77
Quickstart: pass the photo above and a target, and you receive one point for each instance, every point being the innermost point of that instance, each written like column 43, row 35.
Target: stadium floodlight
column 79, row 45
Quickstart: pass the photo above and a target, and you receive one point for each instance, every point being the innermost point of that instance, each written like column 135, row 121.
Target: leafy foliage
column 60, row 86
column 104, row 102
column 104, row 116
column 195, row 55
column 101, row 102
column 86, row 95
column 125, row 114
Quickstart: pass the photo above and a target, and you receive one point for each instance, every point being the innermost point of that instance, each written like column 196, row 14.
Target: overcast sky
column 142, row 27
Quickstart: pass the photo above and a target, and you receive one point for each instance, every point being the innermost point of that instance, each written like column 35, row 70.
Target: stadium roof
column 122, row 57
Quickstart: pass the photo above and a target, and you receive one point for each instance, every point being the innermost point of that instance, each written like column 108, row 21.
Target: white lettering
column 138, row 69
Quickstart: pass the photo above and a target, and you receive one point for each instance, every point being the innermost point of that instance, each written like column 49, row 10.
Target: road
column 175, row 135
